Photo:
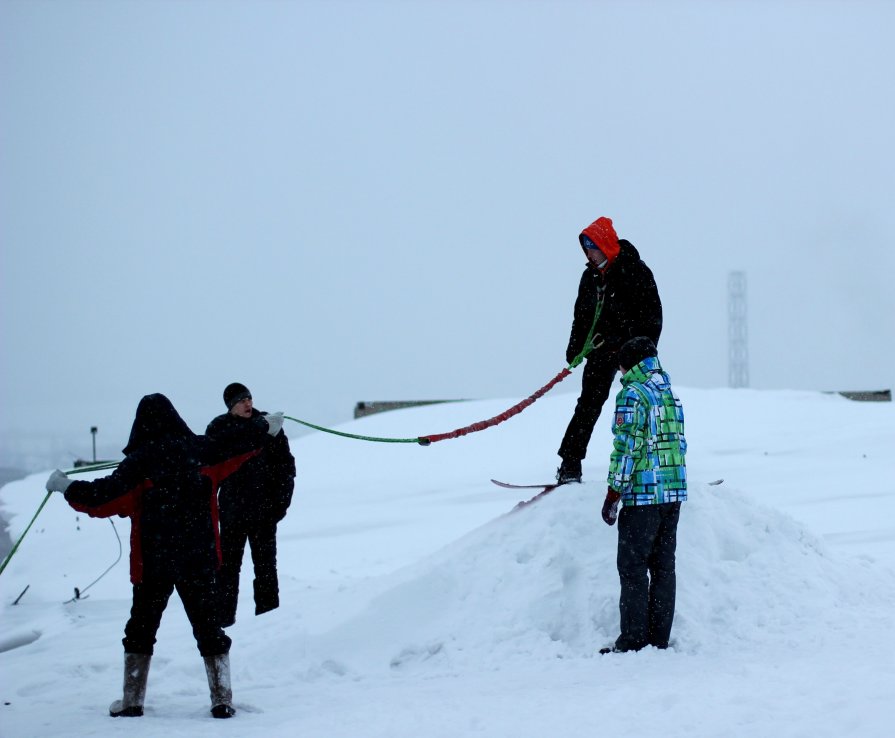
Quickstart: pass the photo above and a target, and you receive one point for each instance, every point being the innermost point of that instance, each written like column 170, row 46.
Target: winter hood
column 156, row 419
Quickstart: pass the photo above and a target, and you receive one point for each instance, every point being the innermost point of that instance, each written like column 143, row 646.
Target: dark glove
column 610, row 507
column 58, row 482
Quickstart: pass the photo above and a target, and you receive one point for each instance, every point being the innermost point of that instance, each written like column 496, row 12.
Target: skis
column 507, row 485
column 546, row 489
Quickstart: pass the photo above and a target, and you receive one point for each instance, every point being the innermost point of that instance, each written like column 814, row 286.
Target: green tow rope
column 590, row 344
column 78, row 470
column 421, row 441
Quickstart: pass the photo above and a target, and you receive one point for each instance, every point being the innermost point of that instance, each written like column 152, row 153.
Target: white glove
column 58, row 482
column 274, row 422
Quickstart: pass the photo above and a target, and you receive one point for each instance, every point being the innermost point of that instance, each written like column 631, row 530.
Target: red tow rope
column 505, row 415
column 590, row 344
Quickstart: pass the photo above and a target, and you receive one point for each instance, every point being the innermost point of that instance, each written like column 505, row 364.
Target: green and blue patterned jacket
column 647, row 466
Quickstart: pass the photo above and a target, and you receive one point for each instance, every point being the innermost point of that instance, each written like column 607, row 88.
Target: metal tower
column 738, row 346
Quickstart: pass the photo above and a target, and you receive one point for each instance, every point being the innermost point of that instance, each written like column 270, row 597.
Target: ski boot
column 569, row 471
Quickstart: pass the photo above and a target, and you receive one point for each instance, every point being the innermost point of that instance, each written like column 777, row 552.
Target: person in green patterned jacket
column 648, row 476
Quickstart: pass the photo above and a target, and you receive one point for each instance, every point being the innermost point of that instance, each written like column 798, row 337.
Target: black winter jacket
column 631, row 306
column 261, row 491
column 166, row 484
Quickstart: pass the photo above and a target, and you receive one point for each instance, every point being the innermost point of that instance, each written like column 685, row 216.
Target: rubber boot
column 218, row 670
column 136, row 671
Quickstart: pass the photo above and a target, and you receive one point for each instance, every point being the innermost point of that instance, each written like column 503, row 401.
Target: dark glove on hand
column 610, row 507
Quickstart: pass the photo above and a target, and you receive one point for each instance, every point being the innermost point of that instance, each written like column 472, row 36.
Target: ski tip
column 507, row 485
column 715, row 482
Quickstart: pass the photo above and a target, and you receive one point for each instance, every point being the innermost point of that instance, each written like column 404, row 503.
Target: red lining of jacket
column 130, row 505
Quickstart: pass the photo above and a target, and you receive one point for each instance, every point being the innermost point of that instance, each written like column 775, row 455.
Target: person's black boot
column 569, row 471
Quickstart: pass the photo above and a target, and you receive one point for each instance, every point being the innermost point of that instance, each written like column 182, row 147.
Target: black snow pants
column 647, row 539
column 262, row 540
column 599, row 372
column 199, row 597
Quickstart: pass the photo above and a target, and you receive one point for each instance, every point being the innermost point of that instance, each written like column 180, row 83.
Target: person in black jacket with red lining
column 252, row 502
column 618, row 282
column 166, row 484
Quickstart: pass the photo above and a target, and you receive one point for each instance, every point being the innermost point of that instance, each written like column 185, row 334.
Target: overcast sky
column 343, row 201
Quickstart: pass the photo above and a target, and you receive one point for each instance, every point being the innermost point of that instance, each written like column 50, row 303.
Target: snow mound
column 541, row 583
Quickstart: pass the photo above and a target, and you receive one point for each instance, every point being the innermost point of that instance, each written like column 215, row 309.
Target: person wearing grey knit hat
column 235, row 392
column 252, row 502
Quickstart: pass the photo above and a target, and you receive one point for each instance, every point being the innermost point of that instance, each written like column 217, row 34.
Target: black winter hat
column 636, row 350
column 234, row 393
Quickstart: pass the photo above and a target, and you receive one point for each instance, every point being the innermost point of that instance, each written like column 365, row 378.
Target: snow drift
column 414, row 603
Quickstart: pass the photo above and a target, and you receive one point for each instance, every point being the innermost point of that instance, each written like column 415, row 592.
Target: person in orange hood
column 617, row 283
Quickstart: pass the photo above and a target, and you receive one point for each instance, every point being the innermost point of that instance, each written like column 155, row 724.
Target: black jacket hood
column 156, row 419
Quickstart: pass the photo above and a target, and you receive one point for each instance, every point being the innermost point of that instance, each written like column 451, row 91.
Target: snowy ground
column 414, row 605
